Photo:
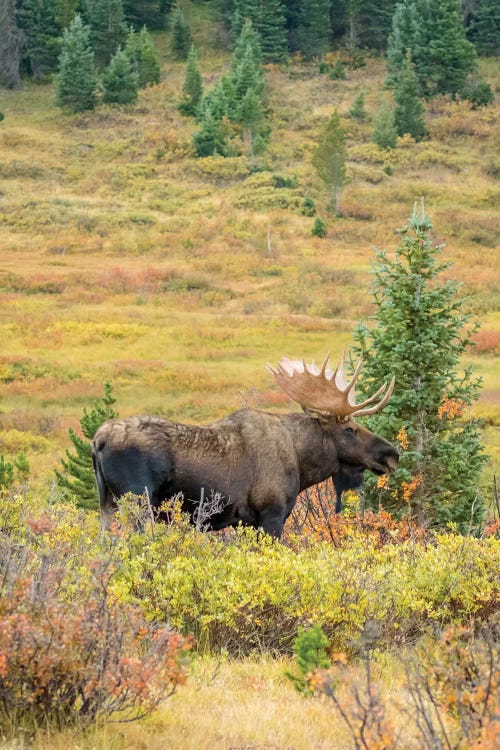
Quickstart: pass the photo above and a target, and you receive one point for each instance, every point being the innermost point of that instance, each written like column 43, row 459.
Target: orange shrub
column 67, row 660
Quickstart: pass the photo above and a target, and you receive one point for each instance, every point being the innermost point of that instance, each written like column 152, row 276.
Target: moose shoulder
column 256, row 462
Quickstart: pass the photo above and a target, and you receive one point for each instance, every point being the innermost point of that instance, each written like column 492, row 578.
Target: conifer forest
column 249, row 374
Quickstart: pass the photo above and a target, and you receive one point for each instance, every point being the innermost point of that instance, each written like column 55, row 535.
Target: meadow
column 124, row 258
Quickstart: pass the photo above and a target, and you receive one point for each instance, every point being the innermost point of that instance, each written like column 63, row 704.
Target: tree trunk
column 11, row 38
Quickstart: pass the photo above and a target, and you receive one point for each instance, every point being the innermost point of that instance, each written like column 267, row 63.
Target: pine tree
column 76, row 478
column 418, row 335
column 272, row 31
column 181, row 35
column 267, row 18
column 120, row 80
column 485, row 27
column 108, row 28
column 149, row 13
column 66, row 10
column 433, row 32
column 252, row 118
column 210, row 139
column 358, row 111
column 408, row 109
column 239, row 99
column 11, row 39
column 37, row 18
column 329, row 158
column 144, row 57
column 77, row 80
column 314, row 28
column 191, row 90
column 385, row 134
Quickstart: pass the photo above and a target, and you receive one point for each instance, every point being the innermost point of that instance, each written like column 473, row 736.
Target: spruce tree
column 314, row 28
column 42, row 32
column 485, row 27
column 238, row 98
column 269, row 23
column 210, row 139
column 108, row 28
column 77, row 80
column 66, row 10
column 408, row 109
column 181, row 35
column 144, row 57
column 149, row 13
column 433, row 32
column 358, row 111
column 76, row 478
column 272, row 31
column 11, row 40
column 418, row 334
column 385, row 134
column 120, row 80
column 191, row 90
column 329, row 158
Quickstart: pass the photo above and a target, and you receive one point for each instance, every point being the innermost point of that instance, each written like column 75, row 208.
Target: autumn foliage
column 70, row 652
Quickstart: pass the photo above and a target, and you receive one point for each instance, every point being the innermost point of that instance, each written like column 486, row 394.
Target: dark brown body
column 259, row 462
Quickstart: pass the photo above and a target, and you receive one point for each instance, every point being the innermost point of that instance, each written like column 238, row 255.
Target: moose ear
column 321, row 416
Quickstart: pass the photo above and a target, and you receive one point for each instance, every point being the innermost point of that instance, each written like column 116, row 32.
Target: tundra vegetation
column 127, row 259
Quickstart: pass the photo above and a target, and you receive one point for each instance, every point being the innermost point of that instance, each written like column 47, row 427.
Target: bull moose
column 257, row 462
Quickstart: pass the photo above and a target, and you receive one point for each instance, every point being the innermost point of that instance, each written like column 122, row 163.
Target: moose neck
column 315, row 448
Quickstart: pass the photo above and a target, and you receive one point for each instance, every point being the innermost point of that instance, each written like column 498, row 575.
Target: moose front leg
column 272, row 517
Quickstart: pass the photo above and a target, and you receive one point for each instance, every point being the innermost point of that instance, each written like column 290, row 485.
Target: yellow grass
column 247, row 705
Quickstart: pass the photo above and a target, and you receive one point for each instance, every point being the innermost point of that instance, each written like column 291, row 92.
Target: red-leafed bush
column 73, row 654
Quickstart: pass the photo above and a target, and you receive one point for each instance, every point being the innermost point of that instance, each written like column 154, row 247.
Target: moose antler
column 325, row 390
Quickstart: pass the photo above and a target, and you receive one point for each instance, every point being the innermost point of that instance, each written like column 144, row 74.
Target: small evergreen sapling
column 310, row 650
column 192, row 88
column 76, row 479
column 385, row 134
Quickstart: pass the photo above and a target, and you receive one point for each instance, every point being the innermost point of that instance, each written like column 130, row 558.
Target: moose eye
column 349, row 431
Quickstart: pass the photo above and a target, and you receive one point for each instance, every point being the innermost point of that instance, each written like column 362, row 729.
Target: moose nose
column 392, row 461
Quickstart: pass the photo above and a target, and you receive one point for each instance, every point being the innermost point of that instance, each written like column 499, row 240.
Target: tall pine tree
column 433, row 32
column 77, row 80
column 181, row 35
column 42, row 32
column 108, row 28
column 329, row 159
column 484, row 29
column 269, row 23
column 11, row 39
column 314, row 28
column 418, row 334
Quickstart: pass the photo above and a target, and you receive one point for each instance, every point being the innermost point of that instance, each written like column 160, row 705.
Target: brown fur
column 257, row 461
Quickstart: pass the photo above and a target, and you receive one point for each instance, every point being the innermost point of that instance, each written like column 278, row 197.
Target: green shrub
column 319, row 228
column 479, row 93
column 308, row 207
